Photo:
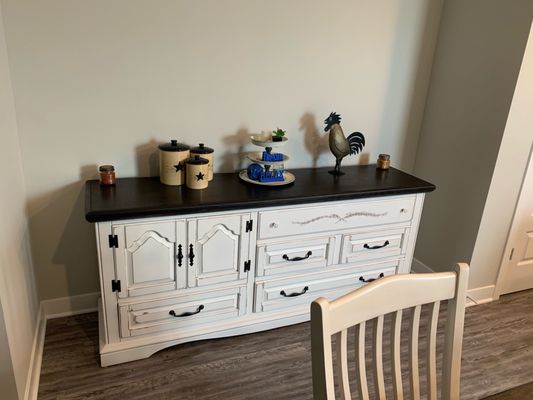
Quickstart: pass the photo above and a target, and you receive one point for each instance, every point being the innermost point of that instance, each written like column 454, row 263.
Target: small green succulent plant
column 278, row 133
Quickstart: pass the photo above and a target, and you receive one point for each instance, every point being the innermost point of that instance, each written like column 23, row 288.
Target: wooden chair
column 373, row 301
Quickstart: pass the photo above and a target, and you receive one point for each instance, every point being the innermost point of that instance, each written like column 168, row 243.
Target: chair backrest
column 372, row 302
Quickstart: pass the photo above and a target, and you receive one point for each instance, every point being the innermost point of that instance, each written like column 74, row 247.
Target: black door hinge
column 115, row 285
column 247, row 265
column 249, row 225
column 113, row 241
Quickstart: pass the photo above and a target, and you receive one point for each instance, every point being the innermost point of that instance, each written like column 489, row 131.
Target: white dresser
column 170, row 275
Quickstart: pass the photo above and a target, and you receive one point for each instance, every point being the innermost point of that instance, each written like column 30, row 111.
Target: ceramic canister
column 172, row 158
column 207, row 153
column 197, row 170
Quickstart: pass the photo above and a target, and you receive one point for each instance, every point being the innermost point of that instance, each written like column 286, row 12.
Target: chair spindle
column 362, row 385
column 379, row 379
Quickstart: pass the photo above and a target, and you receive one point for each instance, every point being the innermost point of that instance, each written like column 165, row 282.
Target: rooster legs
column 337, row 169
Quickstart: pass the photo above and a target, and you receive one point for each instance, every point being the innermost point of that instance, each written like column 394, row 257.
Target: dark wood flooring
column 271, row 365
column 524, row 392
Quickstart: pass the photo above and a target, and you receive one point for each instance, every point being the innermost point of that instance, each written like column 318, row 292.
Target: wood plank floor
column 276, row 364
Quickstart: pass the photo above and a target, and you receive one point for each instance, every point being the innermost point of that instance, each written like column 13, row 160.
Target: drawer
column 371, row 245
column 355, row 214
column 189, row 312
column 295, row 256
column 300, row 291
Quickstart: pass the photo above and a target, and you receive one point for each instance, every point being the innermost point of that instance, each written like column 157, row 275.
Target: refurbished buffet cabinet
column 178, row 265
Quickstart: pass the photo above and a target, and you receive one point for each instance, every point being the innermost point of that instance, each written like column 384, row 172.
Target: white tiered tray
column 257, row 158
column 267, row 142
column 289, row 178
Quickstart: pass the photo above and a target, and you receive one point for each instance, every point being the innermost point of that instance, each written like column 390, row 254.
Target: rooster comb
column 333, row 119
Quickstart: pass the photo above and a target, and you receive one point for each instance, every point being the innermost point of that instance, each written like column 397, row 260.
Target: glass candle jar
column 107, row 175
column 383, row 161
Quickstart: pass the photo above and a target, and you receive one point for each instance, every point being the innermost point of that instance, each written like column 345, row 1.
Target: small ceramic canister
column 172, row 158
column 197, row 170
column 207, row 153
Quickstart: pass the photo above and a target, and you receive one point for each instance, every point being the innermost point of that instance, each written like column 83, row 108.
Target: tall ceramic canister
column 207, row 153
column 197, row 170
column 172, row 158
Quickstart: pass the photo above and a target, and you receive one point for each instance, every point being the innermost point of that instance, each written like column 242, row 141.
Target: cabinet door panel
column 220, row 246
column 151, row 249
column 146, row 257
column 218, row 250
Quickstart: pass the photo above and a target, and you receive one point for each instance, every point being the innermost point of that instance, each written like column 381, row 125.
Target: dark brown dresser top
column 147, row 197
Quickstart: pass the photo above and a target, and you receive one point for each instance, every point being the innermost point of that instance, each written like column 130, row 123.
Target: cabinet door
column 217, row 250
column 148, row 257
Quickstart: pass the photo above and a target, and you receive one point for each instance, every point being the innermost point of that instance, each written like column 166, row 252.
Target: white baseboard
column 481, row 295
column 419, row 267
column 65, row 306
column 53, row 308
column 32, row 382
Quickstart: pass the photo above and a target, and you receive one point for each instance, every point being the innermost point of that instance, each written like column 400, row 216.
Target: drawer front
column 300, row 221
column 301, row 291
column 186, row 312
column 295, row 256
column 378, row 244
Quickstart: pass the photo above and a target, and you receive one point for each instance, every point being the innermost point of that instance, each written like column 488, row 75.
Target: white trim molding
column 72, row 305
column 419, row 267
column 32, row 382
column 481, row 295
column 48, row 309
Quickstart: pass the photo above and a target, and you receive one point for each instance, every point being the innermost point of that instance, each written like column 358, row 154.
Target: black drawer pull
column 180, row 255
column 286, row 257
column 366, row 246
column 296, row 294
column 371, row 279
column 186, row 314
column 191, row 255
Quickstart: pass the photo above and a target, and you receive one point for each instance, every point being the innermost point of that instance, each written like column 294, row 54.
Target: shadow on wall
column 63, row 243
column 315, row 141
column 234, row 157
column 409, row 126
column 147, row 157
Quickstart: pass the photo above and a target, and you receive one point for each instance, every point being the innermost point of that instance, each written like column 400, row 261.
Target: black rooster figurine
column 339, row 145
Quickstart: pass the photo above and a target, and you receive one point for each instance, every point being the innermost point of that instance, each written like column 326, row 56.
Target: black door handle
column 371, row 279
column 286, row 257
column 191, row 255
column 296, row 294
column 366, row 246
column 188, row 313
column 180, row 255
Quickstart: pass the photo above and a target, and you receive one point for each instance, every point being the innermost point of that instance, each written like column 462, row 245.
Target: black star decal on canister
column 200, row 176
column 179, row 167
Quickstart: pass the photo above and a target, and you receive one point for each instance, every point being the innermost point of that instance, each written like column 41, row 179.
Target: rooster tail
column 357, row 142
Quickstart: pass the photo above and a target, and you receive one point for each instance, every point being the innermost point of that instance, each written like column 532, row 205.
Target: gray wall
column 103, row 82
column 477, row 60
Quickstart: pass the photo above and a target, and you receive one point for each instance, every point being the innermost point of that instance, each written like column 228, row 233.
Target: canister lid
column 173, row 146
column 201, row 149
column 196, row 160
column 106, row 168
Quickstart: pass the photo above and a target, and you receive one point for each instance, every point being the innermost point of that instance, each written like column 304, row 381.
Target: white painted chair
column 373, row 301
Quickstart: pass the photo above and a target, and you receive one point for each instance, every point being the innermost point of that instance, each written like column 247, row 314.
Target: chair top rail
column 401, row 291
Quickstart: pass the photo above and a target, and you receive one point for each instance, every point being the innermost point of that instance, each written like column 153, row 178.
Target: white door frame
column 506, row 261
